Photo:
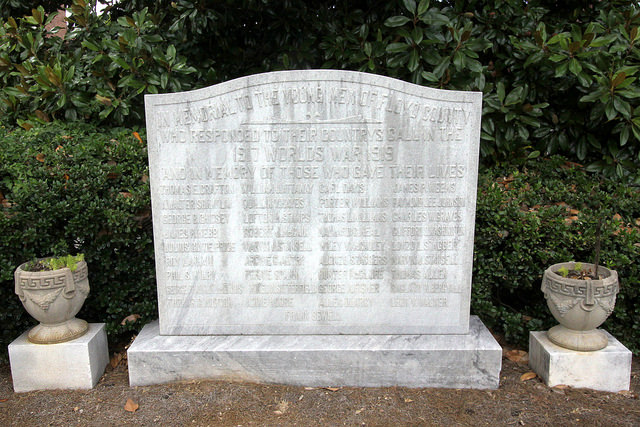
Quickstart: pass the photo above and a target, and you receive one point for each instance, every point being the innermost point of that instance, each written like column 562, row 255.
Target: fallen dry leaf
column 26, row 125
column 131, row 406
column 331, row 388
column 137, row 135
column 42, row 116
column 570, row 219
column 40, row 157
column 518, row 356
column 130, row 319
column 3, row 400
column 407, row 400
column 126, row 194
column 528, row 376
column 115, row 359
column 617, row 217
column 561, row 387
column 359, row 411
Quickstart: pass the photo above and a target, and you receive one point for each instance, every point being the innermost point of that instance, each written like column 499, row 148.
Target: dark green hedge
column 545, row 212
column 72, row 189
column 82, row 189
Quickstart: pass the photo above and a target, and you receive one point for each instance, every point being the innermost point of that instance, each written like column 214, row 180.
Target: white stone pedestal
column 76, row 364
column 608, row 369
column 472, row 360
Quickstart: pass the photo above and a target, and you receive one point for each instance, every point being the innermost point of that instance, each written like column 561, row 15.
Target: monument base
column 76, row 364
column 452, row 361
column 608, row 369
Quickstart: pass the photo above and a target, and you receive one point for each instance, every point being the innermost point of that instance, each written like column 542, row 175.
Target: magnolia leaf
column 396, row 21
column 574, row 66
column 410, row 5
column 514, row 96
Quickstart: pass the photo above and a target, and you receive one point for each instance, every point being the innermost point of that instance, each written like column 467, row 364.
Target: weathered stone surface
column 315, row 228
column 471, row 360
column 608, row 369
column 76, row 364
column 314, row 202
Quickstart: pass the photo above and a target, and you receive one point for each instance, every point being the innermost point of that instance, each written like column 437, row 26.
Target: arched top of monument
column 315, row 77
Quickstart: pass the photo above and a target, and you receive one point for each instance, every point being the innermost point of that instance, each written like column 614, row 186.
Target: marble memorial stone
column 313, row 202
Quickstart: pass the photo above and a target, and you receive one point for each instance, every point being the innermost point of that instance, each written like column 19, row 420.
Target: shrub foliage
column 78, row 189
column 545, row 212
column 557, row 77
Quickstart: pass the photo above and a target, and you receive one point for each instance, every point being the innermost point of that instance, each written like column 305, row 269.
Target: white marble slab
column 471, row 360
column 76, row 364
column 314, row 202
column 608, row 369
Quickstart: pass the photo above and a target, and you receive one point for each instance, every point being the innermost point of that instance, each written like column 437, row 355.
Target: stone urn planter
column 53, row 298
column 579, row 305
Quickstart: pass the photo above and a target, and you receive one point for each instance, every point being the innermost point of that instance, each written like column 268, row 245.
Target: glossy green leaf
column 442, row 67
column 574, row 66
column 622, row 106
column 515, row 96
column 397, row 47
column 410, row 5
column 90, row 45
column 396, row 21
column 423, row 6
column 500, row 90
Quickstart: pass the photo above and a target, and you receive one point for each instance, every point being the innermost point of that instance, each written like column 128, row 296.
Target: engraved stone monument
column 315, row 228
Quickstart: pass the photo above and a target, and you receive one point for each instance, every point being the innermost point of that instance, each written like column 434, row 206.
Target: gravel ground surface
column 518, row 401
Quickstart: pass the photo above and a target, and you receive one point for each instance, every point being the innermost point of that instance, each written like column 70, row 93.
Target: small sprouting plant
column 577, row 266
column 55, row 263
column 563, row 271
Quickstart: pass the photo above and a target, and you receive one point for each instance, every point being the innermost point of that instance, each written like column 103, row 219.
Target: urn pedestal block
column 608, row 369
column 76, row 364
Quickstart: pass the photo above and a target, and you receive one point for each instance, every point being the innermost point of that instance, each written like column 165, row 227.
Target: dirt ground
column 518, row 401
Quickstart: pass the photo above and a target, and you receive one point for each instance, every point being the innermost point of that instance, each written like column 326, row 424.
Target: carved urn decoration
column 54, row 297
column 580, row 305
